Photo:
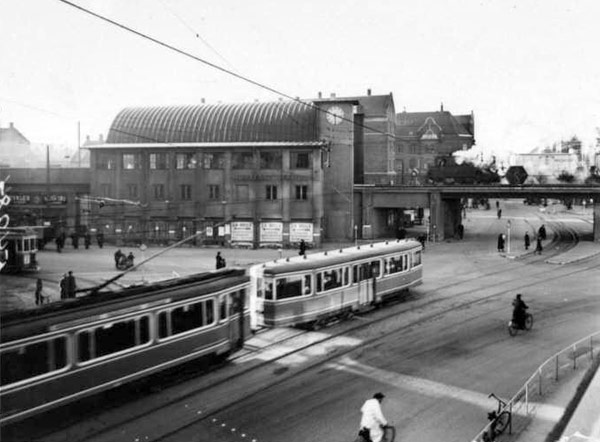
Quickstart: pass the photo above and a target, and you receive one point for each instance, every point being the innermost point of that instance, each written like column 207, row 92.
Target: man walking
column 527, row 241
column 71, row 285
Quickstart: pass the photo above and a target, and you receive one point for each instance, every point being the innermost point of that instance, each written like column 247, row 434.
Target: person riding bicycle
column 372, row 422
column 519, row 311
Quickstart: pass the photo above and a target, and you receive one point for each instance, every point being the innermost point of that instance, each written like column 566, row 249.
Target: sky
column 528, row 70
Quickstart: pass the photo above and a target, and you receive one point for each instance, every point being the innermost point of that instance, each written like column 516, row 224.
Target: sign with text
column 300, row 231
column 271, row 232
column 242, row 231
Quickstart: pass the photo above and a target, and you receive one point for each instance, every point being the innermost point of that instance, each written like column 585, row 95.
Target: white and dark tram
column 312, row 289
column 64, row 351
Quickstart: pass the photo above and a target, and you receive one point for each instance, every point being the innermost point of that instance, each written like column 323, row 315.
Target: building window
column 131, row 161
column 132, row 190
column 158, row 161
column 159, row 191
column 105, row 190
column 242, row 192
column 185, row 161
column 270, row 160
column 185, row 192
column 106, row 161
column 301, row 192
column 213, row 161
column 214, row 192
column 300, row 160
column 271, row 192
column 243, row 160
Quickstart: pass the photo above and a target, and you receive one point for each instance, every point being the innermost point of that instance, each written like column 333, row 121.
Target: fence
column 525, row 403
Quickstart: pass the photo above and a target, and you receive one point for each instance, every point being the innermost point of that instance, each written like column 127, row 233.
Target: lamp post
column 508, row 236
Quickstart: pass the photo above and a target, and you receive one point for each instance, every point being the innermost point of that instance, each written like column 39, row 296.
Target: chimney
column 101, row 138
column 332, row 95
column 11, row 125
column 202, row 101
column 369, row 92
column 320, row 94
column 442, row 107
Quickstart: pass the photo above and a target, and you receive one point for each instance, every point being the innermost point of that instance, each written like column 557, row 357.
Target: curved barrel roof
column 213, row 123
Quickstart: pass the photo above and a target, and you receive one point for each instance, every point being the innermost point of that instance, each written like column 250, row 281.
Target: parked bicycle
column 500, row 419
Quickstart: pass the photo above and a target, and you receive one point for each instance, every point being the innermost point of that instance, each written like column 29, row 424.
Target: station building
column 251, row 174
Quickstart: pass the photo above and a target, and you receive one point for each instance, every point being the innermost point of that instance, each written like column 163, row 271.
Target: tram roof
column 338, row 256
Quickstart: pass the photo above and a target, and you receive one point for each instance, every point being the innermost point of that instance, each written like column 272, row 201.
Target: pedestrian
column 372, row 421
column 75, row 240
column 87, row 240
column 100, row 239
column 497, row 204
column 58, row 244
column 499, row 213
column 302, row 248
column 527, row 241
column 118, row 255
column 501, row 242
column 538, row 246
column 461, row 231
column 71, row 285
column 220, row 261
column 63, row 287
column 401, row 233
column 38, row 292
column 130, row 259
column 542, row 232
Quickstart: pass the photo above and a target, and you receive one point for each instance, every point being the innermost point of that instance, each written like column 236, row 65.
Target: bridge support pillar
column 445, row 216
column 596, row 221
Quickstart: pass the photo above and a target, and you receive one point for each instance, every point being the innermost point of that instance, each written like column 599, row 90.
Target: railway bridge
column 373, row 203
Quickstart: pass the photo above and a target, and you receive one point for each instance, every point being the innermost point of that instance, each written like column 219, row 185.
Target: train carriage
column 65, row 351
column 19, row 249
column 312, row 289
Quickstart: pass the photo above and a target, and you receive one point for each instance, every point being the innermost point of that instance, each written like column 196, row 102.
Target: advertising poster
column 271, row 232
column 242, row 231
column 300, row 231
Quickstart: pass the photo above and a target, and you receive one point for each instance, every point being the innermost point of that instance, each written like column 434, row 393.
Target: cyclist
column 519, row 311
column 373, row 422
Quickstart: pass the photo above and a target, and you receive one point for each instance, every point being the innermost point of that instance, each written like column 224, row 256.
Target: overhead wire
column 220, row 68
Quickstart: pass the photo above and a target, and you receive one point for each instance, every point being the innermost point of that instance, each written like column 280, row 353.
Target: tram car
column 64, row 351
column 19, row 249
column 313, row 289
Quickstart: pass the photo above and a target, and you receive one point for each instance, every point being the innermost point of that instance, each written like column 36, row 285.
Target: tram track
column 345, row 330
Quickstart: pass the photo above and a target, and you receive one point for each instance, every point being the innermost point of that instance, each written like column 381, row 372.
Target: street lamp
column 508, row 237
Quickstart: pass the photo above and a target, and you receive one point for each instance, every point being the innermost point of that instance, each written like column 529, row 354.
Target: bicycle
column 500, row 419
column 513, row 329
column 389, row 435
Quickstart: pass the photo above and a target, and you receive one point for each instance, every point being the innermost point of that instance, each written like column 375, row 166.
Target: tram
column 64, row 351
column 19, row 250
column 311, row 290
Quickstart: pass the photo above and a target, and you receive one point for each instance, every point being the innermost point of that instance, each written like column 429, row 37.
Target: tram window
column 210, row 312
column 144, row 325
column 19, row 245
column 268, row 289
column 188, row 317
column 163, row 325
column 346, row 273
column 23, row 362
column 329, row 280
column 222, row 307
column 417, row 258
column 307, row 284
column 355, row 274
column 84, row 346
column 115, row 337
column 375, row 269
column 289, row 287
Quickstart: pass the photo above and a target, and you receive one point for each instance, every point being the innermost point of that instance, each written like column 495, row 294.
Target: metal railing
column 526, row 402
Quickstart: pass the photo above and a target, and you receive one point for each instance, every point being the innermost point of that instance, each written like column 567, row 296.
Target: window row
column 216, row 160
column 330, row 279
column 213, row 192
column 35, row 359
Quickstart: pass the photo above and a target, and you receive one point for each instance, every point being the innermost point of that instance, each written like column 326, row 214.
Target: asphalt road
column 437, row 357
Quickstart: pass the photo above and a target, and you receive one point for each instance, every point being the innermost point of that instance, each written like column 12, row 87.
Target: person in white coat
column 372, row 417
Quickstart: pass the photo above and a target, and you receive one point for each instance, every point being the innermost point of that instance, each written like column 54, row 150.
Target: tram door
column 257, row 298
column 365, row 283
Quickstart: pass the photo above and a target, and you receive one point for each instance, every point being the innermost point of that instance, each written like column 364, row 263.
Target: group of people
column 221, row 263
column 61, row 240
column 123, row 261
column 541, row 236
column 68, row 286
